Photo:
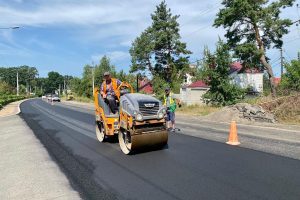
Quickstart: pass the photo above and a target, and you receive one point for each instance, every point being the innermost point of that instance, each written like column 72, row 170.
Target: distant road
column 189, row 168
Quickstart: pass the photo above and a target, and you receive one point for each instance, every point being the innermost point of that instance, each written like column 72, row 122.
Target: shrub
column 6, row 99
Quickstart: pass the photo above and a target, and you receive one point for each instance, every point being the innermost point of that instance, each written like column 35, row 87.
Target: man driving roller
column 108, row 88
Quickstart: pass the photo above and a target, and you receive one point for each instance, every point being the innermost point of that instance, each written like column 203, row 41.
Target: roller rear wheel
column 100, row 132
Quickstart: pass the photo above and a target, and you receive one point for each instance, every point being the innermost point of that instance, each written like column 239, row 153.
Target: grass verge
column 79, row 99
column 201, row 110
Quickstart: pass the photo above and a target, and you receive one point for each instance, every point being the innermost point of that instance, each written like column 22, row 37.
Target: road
column 188, row 168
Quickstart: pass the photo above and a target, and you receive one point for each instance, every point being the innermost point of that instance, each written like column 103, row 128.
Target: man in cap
column 108, row 88
column 170, row 104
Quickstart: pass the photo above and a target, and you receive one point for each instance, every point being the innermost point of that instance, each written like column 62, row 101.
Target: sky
column 63, row 36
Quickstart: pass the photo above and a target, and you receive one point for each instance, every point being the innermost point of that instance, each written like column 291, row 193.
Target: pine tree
column 252, row 27
column 158, row 49
column 215, row 73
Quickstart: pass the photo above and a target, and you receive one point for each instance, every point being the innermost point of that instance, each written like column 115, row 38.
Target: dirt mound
column 286, row 109
column 242, row 112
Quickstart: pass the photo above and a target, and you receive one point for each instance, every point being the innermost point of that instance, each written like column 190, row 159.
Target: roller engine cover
column 147, row 105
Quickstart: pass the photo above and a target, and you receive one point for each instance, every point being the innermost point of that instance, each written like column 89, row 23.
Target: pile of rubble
column 242, row 112
column 254, row 113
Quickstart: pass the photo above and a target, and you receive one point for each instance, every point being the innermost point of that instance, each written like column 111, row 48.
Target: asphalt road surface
column 188, row 168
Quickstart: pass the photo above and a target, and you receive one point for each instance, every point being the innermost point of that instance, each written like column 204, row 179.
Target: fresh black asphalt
column 188, row 168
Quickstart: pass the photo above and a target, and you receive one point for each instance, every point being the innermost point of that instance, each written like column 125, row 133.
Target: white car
column 55, row 98
column 44, row 97
column 49, row 97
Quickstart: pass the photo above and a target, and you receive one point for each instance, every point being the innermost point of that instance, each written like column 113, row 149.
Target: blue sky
column 63, row 36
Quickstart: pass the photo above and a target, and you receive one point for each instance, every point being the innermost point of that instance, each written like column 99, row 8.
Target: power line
column 197, row 30
column 292, row 40
column 201, row 14
column 203, row 27
column 275, row 61
column 287, row 55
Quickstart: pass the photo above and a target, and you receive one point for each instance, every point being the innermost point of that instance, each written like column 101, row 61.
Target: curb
column 18, row 107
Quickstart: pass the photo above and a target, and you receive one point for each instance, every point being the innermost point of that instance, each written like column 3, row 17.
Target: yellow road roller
column 139, row 123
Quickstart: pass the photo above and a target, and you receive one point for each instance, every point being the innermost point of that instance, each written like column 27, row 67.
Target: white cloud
column 115, row 56
column 117, row 23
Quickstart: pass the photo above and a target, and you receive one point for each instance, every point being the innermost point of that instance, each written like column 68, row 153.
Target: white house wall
column 192, row 96
column 188, row 80
column 245, row 80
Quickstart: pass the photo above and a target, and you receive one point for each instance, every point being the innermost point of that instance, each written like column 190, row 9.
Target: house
column 277, row 81
column 145, row 86
column 192, row 94
column 248, row 78
column 188, row 77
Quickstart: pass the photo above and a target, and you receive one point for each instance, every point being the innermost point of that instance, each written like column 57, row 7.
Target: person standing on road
column 170, row 104
column 108, row 88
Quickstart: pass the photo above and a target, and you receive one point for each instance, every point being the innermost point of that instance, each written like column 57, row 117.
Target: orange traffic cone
column 233, row 137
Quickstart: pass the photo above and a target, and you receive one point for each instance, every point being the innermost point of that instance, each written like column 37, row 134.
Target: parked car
column 44, row 97
column 49, row 97
column 55, row 98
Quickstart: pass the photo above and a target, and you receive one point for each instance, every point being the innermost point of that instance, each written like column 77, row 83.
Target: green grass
column 82, row 99
column 201, row 110
column 257, row 100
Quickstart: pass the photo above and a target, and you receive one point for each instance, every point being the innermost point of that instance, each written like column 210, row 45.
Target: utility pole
column 59, row 90
column 281, row 60
column 17, row 83
column 65, row 85
column 137, row 83
column 299, row 55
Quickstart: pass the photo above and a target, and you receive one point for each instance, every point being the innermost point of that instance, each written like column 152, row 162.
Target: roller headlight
column 160, row 115
column 139, row 117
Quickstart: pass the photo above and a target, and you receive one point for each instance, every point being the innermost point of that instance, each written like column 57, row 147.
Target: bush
column 6, row 99
column 290, row 81
column 216, row 73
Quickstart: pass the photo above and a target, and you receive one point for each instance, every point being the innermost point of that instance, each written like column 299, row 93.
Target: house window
column 185, row 79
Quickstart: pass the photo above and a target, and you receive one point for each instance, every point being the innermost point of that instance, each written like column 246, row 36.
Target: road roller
column 139, row 123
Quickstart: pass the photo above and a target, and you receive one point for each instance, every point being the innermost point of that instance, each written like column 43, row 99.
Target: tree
column 122, row 76
column 76, row 86
column 215, row 73
column 27, row 76
column 5, row 88
column 104, row 66
column 252, row 27
column 159, row 50
column 53, row 82
column 291, row 79
column 86, row 82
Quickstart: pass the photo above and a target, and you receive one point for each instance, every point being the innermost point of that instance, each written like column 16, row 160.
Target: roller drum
column 131, row 142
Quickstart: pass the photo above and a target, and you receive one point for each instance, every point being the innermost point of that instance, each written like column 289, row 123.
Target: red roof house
column 198, row 84
column 145, row 86
column 277, row 81
column 238, row 67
